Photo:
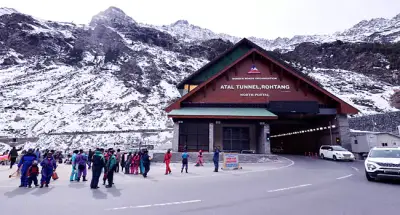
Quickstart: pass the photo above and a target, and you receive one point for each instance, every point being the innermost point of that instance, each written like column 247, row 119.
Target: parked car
column 335, row 152
column 383, row 163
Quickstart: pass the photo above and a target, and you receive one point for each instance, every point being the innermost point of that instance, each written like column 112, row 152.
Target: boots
column 186, row 170
column 84, row 178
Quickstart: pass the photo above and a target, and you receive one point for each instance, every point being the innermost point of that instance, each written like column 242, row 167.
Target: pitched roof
column 246, row 41
column 347, row 108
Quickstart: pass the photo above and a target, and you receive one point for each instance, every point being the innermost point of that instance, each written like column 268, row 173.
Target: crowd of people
column 100, row 161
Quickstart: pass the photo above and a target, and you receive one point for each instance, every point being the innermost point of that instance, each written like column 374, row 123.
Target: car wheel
column 322, row 156
column 369, row 178
column 334, row 158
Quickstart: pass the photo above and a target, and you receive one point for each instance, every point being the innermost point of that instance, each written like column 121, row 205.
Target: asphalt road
column 297, row 186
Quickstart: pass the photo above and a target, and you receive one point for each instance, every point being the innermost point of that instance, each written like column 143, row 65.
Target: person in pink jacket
column 135, row 163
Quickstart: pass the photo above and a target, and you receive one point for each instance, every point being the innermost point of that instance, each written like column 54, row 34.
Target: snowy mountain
column 107, row 83
column 374, row 30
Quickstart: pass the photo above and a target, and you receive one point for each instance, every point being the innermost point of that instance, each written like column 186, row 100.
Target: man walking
column 185, row 161
column 90, row 156
column 167, row 161
column 98, row 165
column 13, row 155
column 118, row 157
column 146, row 162
column 26, row 162
column 216, row 158
column 49, row 165
column 81, row 161
column 111, row 165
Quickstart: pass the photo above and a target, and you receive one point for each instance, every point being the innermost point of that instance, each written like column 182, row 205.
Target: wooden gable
column 269, row 80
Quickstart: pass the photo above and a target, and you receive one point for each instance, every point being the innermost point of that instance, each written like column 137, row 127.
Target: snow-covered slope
column 107, row 83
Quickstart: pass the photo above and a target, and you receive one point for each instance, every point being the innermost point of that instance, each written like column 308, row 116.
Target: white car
column 335, row 152
column 383, row 163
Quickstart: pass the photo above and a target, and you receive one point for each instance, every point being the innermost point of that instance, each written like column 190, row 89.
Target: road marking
column 154, row 205
column 289, row 188
column 355, row 168
column 346, row 176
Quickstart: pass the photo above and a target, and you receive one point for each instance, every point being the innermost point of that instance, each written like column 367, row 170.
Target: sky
column 260, row 18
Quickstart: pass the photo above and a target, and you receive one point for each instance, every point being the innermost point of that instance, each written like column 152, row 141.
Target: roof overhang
column 222, row 113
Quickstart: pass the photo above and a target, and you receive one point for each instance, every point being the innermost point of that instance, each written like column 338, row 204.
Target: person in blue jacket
column 216, row 158
column 74, row 173
column 25, row 162
column 49, row 165
column 141, row 167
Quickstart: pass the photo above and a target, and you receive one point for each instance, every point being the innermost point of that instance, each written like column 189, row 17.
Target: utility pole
column 330, row 131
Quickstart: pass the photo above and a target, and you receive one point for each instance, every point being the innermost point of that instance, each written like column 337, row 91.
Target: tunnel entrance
column 300, row 134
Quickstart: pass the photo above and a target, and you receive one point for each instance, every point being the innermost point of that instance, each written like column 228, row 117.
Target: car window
column 395, row 153
column 338, row 148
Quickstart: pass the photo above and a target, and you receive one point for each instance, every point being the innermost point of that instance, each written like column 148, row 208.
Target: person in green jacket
column 111, row 165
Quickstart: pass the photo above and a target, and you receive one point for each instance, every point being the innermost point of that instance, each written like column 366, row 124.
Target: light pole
column 330, row 131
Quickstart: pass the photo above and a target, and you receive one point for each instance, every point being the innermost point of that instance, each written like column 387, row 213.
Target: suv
column 383, row 163
column 335, row 152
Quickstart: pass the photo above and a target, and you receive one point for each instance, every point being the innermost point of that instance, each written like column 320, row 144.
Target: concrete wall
column 175, row 139
column 342, row 124
column 218, row 135
column 207, row 157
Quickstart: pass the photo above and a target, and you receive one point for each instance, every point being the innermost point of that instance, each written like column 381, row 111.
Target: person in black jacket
column 90, row 156
column 98, row 164
column 13, row 155
column 146, row 162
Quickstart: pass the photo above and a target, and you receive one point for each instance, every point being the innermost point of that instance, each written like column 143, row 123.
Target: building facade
column 249, row 101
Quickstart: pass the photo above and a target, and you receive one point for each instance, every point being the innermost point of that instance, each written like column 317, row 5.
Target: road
column 299, row 185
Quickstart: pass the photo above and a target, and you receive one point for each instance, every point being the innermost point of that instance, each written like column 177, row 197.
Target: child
column 33, row 173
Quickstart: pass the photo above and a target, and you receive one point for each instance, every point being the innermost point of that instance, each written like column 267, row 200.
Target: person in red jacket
column 167, row 161
column 33, row 173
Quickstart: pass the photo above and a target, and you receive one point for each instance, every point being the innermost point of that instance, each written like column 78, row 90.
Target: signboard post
column 231, row 161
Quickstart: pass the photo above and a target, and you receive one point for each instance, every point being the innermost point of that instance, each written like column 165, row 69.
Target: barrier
column 311, row 155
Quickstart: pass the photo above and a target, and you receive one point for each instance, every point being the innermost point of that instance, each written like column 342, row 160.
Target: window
column 355, row 141
column 236, row 139
column 384, row 144
column 194, row 136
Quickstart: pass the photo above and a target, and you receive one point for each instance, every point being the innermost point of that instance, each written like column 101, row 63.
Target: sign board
column 231, row 161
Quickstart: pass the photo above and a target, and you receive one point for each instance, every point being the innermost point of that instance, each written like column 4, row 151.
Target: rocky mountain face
column 112, row 78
